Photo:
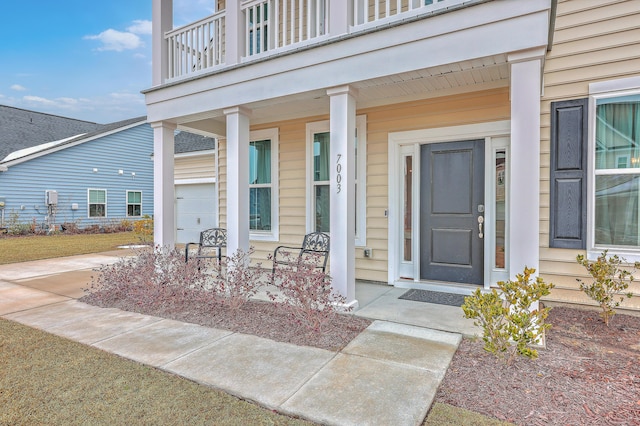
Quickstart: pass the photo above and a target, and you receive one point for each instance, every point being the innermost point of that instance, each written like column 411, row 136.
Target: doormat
column 436, row 297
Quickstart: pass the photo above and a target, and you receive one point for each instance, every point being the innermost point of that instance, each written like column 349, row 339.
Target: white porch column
column 163, row 185
column 524, row 204
column 162, row 13
column 237, row 179
column 235, row 35
column 342, row 191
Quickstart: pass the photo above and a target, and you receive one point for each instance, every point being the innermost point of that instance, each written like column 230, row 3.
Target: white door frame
column 401, row 144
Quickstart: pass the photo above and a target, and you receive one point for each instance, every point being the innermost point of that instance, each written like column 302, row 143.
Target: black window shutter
column 568, row 185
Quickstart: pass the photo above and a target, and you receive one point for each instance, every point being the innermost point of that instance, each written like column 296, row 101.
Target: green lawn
column 45, row 379
column 22, row 249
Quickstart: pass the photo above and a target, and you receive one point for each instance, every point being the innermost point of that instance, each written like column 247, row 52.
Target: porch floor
column 382, row 302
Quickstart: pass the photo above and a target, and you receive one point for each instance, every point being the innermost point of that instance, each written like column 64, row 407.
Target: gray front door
column 451, row 202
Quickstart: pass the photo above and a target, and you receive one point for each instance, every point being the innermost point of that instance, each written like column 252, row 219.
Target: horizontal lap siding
column 593, row 41
column 197, row 167
column 475, row 107
column 70, row 172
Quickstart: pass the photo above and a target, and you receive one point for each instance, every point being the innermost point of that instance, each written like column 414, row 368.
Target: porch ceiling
column 442, row 80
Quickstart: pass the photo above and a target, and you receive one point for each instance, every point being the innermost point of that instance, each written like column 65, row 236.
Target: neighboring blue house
column 57, row 170
column 96, row 178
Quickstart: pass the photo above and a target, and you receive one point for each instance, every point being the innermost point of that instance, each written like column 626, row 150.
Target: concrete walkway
column 388, row 375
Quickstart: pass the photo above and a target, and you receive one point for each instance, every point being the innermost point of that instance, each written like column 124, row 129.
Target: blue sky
column 82, row 59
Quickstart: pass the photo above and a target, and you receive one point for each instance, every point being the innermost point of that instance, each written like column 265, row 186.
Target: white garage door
column 196, row 209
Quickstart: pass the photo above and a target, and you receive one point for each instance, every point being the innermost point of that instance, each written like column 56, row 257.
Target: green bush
column 610, row 282
column 144, row 229
column 509, row 324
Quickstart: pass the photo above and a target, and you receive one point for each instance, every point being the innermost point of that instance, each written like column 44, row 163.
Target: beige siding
column 196, row 167
column 485, row 106
column 594, row 40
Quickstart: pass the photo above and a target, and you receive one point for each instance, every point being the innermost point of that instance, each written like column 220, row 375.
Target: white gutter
column 3, row 168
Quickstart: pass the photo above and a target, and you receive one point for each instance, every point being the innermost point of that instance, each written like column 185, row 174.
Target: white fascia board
column 69, row 145
column 3, row 168
column 475, row 32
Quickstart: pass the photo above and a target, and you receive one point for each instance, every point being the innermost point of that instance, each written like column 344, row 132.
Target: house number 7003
column 339, row 173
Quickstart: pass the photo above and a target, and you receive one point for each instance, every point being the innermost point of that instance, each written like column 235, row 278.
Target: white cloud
column 18, row 88
column 39, row 100
column 140, row 27
column 117, row 40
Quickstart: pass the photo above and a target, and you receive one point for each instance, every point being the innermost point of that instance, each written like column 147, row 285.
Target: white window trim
column 361, row 178
column 126, row 202
column 597, row 91
column 274, row 233
column 106, row 200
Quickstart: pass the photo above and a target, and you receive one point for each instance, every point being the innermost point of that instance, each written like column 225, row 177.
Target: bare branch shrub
column 235, row 280
column 305, row 292
column 157, row 277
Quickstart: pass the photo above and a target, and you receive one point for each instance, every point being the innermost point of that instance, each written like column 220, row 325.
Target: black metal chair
column 315, row 248
column 213, row 238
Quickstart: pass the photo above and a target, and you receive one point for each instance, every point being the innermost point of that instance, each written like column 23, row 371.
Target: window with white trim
column 318, row 151
column 134, row 203
column 616, row 182
column 263, row 185
column 97, row 200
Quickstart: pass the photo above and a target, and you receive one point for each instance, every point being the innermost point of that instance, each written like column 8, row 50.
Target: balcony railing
column 275, row 25
column 195, row 47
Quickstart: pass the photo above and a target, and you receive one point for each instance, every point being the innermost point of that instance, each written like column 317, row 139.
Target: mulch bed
column 262, row 319
column 589, row 374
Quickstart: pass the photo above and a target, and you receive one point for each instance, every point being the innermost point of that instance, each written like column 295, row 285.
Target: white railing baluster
column 309, row 14
column 196, row 47
column 292, row 23
column 300, row 20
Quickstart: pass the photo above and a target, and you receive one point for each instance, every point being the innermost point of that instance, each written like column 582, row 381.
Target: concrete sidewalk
column 387, row 375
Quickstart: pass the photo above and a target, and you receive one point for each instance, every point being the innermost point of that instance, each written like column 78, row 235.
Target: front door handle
column 480, row 222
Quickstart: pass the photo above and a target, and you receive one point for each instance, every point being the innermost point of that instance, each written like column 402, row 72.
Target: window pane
column 618, row 133
column 97, row 196
column 260, row 209
column 133, row 210
column 408, row 207
column 321, row 157
column 96, row 210
column 500, row 208
column 260, row 162
column 134, row 197
column 617, row 211
column 322, row 208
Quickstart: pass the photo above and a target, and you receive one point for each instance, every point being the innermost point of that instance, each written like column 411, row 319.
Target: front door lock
column 480, row 222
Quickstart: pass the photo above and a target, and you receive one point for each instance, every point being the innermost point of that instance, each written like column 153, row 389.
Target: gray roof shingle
column 21, row 129
column 190, row 142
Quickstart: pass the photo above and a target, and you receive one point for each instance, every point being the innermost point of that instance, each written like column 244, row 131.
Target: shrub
column 509, row 324
column 157, row 277
column 70, row 228
column 144, row 229
column 15, row 227
column 305, row 293
column 125, row 225
column 610, row 282
column 236, row 281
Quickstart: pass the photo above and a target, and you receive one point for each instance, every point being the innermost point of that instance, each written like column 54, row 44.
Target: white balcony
column 264, row 28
